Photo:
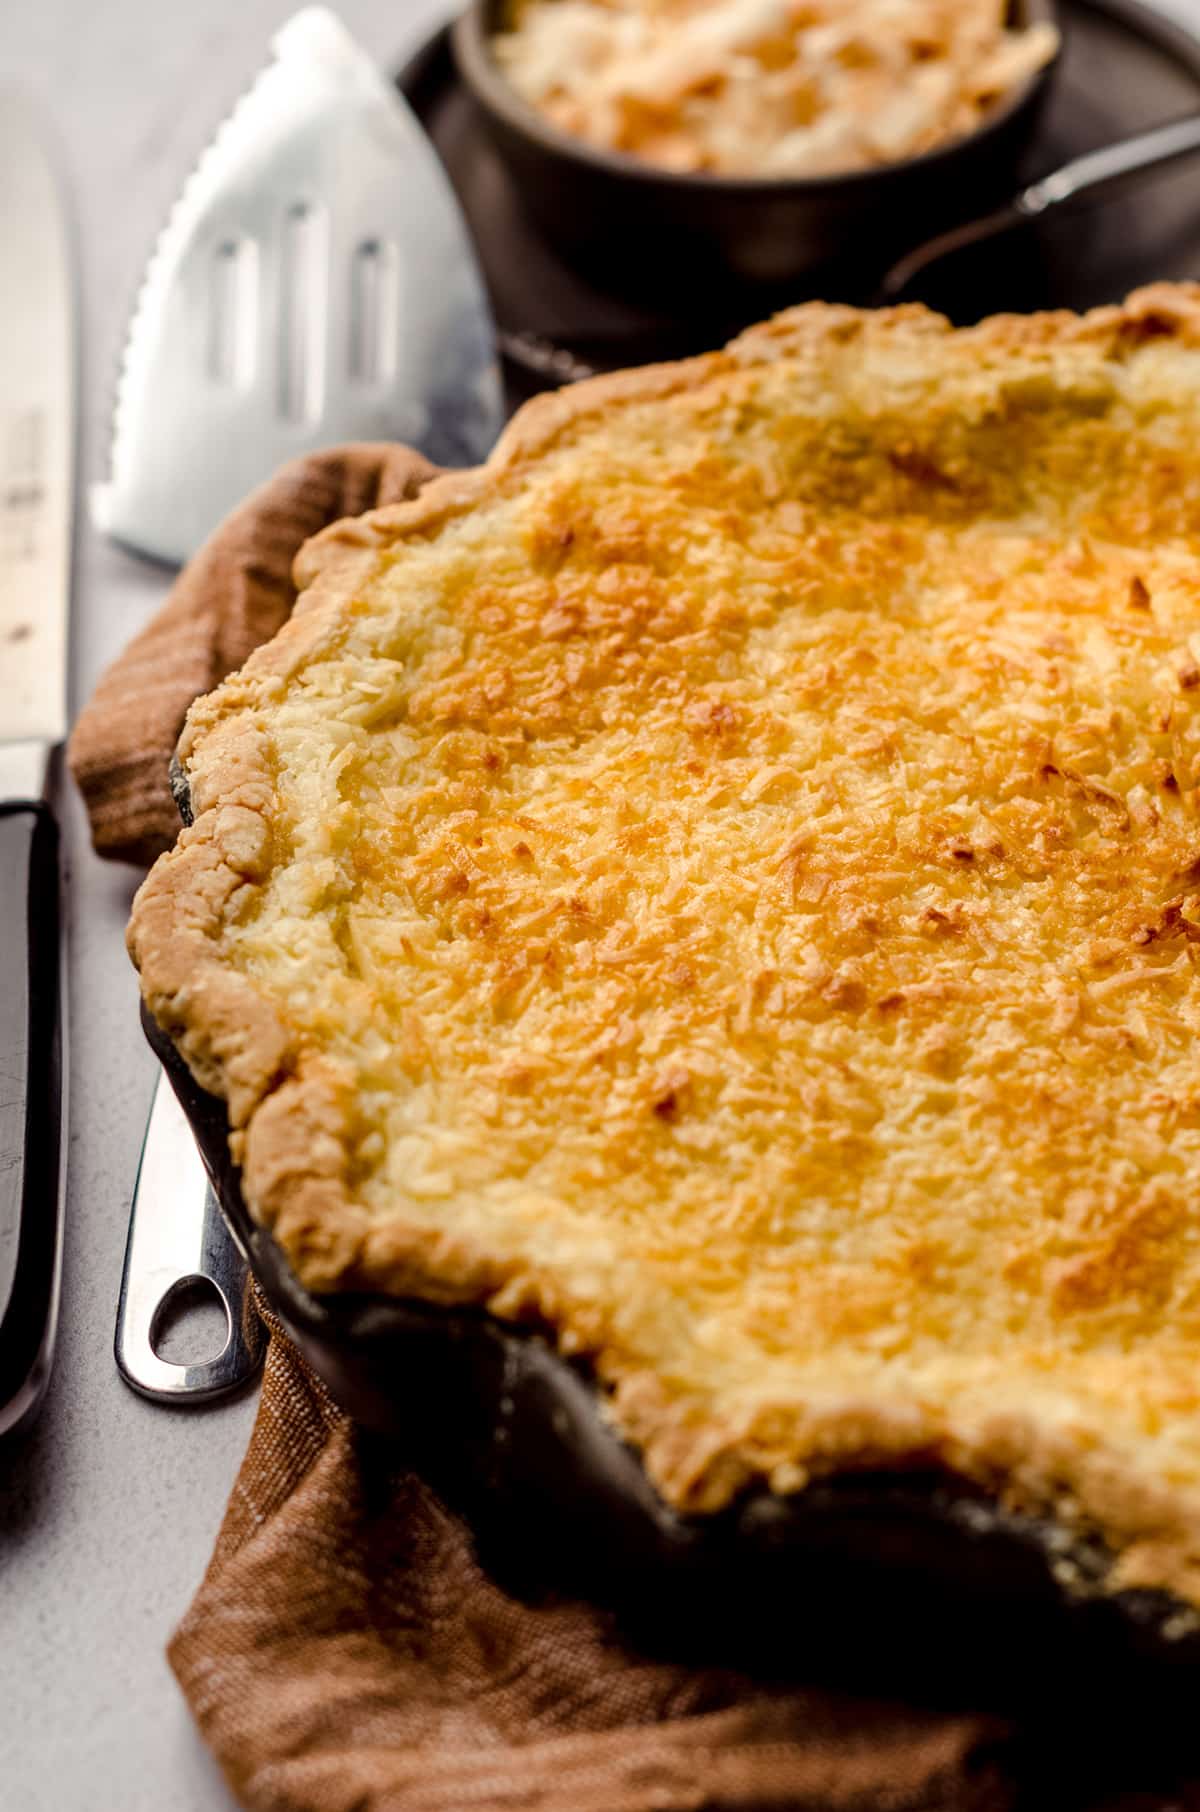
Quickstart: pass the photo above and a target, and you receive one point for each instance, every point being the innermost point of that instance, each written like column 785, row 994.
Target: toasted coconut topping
column 768, row 87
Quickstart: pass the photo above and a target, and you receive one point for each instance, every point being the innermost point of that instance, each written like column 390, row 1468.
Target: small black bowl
column 661, row 232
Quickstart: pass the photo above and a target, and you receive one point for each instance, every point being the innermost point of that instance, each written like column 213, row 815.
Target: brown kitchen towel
column 346, row 1652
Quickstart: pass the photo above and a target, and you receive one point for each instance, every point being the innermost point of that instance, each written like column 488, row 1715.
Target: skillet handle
column 31, row 1106
column 180, row 1249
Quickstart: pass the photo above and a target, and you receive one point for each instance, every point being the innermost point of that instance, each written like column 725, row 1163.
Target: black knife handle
column 30, row 1105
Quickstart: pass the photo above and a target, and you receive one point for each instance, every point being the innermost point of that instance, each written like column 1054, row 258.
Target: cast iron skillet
column 906, row 1580
column 667, row 232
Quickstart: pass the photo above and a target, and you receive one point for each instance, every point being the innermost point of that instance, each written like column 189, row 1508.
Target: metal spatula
column 315, row 283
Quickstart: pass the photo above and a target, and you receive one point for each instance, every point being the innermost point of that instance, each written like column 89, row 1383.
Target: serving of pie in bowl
column 773, row 89
column 772, row 149
column 719, row 887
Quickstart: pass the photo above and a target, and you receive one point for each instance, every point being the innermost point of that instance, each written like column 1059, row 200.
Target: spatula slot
column 233, row 313
column 304, row 303
column 374, row 312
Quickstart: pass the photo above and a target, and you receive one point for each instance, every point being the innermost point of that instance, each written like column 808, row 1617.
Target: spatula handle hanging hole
column 192, row 1324
column 303, row 297
column 233, row 314
column 187, row 1330
column 374, row 312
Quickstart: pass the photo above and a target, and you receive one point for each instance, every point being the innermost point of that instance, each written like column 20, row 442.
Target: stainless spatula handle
column 178, row 1242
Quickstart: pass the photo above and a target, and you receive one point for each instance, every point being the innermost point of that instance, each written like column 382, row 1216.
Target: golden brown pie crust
column 1011, row 510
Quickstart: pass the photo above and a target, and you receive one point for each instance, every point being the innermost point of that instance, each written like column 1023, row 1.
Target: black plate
column 1123, row 69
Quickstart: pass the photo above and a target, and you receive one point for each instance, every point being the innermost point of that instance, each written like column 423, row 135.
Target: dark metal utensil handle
column 1088, row 177
column 30, row 1105
column 179, row 1243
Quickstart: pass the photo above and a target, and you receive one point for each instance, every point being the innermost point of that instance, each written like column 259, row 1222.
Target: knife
column 37, row 386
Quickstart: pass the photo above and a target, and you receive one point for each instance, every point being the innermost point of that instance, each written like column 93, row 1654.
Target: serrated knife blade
column 37, row 360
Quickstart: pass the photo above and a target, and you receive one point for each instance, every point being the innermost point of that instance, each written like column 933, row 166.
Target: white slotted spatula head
column 315, row 283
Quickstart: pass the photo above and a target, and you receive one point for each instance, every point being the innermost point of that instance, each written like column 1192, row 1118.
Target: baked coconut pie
column 720, row 884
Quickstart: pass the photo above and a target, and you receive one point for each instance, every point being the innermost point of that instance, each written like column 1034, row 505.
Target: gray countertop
column 108, row 1511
